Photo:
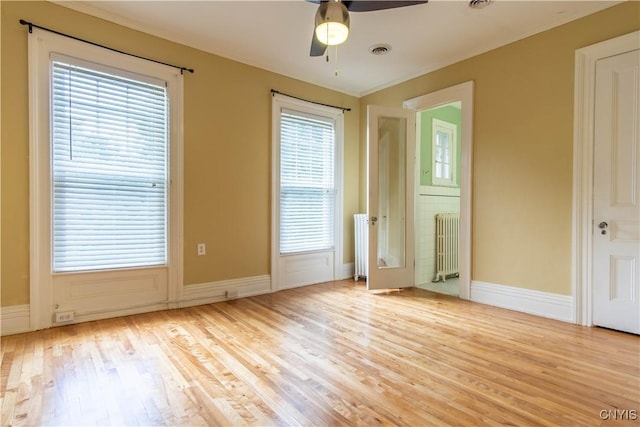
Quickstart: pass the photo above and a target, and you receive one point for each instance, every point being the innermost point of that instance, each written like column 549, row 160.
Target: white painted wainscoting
column 544, row 304
column 431, row 201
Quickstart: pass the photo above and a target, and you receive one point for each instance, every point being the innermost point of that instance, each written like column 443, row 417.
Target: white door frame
column 461, row 92
column 583, row 147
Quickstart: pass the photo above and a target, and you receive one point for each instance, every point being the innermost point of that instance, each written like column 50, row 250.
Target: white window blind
column 109, row 169
column 307, row 187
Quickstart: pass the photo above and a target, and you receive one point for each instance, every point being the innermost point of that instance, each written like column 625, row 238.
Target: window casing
column 105, row 291
column 306, row 202
column 444, row 144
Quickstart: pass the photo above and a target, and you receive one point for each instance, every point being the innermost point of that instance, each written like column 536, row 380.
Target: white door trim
column 460, row 92
column 583, row 140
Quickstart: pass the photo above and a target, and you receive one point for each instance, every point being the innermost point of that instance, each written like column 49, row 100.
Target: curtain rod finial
column 23, row 22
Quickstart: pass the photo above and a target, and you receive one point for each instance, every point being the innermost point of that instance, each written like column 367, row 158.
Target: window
column 444, row 143
column 307, row 182
column 306, row 203
column 105, row 167
column 109, row 168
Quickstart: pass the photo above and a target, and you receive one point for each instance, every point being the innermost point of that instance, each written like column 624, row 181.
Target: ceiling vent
column 478, row 4
column 380, row 49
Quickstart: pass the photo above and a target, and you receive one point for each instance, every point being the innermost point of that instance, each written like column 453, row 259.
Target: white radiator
column 447, row 239
column 361, row 233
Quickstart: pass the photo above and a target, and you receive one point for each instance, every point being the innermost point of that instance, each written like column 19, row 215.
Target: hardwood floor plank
column 329, row 354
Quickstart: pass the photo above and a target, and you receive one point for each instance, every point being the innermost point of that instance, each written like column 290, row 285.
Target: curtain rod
column 273, row 92
column 32, row 25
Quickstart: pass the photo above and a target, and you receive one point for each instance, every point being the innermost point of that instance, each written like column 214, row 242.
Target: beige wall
column 522, row 174
column 227, row 140
column 523, row 144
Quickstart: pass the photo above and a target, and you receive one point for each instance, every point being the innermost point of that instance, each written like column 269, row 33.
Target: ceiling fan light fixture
column 332, row 23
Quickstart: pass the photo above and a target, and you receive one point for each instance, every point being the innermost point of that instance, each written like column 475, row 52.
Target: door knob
column 373, row 220
column 603, row 227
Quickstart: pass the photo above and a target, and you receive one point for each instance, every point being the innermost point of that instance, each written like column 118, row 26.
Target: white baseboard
column 207, row 293
column 347, row 271
column 545, row 304
column 14, row 319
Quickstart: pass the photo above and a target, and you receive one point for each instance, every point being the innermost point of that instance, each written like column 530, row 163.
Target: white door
column 616, row 193
column 391, row 158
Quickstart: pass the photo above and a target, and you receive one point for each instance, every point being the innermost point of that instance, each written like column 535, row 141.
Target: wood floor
column 330, row 354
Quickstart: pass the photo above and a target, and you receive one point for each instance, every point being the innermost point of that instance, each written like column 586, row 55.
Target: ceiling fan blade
column 372, row 5
column 317, row 47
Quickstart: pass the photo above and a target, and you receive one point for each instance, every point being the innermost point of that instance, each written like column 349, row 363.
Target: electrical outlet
column 202, row 249
column 64, row 316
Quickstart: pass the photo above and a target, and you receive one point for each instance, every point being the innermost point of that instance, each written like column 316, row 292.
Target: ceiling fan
column 332, row 19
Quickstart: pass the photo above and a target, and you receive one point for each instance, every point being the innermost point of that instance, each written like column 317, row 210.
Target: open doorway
column 443, row 188
column 437, row 218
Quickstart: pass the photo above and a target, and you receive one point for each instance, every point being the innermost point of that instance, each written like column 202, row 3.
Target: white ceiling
column 276, row 35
